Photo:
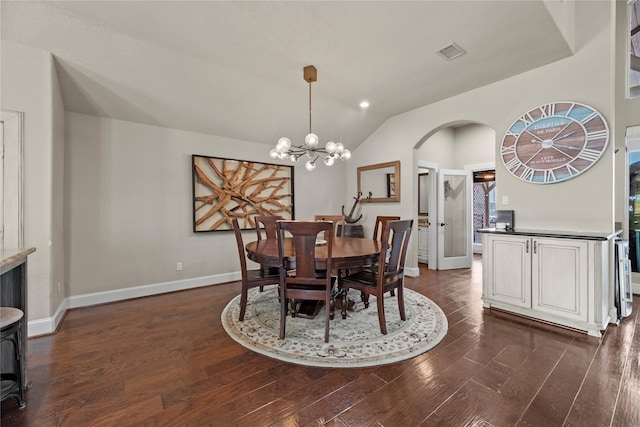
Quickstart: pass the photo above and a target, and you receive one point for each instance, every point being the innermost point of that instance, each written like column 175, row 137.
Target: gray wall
column 581, row 204
column 129, row 198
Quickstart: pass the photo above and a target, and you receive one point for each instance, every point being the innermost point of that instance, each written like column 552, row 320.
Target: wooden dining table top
column 347, row 252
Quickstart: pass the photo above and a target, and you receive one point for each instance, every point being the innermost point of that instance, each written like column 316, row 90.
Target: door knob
column 442, row 224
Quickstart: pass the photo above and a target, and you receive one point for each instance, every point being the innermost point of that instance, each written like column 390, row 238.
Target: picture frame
column 224, row 189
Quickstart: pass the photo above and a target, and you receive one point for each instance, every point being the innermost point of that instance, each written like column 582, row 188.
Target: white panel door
column 12, row 181
column 454, row 219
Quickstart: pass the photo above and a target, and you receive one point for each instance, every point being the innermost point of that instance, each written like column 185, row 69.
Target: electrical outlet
column 179, row 266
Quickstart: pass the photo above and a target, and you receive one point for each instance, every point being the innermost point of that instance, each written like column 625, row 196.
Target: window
column 634, row 49
column 484, row 202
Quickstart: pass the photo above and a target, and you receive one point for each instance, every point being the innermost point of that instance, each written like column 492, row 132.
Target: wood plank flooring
column 166, row 360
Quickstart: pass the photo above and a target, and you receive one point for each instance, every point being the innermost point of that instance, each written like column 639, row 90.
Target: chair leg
column 383, row 323
column 243, row 303
column 365, row 299
column 20, row 361
column 283, row 313
column 327, row 315
column 403, row 315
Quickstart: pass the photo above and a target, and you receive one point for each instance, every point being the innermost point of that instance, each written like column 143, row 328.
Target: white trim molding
column 49, row 325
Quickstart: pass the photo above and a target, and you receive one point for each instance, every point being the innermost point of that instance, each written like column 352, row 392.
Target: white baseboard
column 635, row 288
column 50, row 324
column 412, row 272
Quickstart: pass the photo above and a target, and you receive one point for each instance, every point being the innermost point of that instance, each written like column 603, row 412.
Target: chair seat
column 262, row 274
column 9, row 316
column 366, row 277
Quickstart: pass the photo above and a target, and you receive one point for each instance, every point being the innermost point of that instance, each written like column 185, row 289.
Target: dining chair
column 268, row 223
column 381, row 224
column 305, row 282
column 389, row 275
column 338, row 220
column 251, row 278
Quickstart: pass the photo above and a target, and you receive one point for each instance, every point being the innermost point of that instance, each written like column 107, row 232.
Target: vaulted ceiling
column 234, row 68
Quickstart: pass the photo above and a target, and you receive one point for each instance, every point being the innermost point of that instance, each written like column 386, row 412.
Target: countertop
column 580, row 235
column 9, row 258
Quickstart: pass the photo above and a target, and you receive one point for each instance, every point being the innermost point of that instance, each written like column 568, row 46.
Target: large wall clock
column 554, row 142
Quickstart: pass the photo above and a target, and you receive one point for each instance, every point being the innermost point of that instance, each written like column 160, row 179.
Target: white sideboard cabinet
column 563, row 279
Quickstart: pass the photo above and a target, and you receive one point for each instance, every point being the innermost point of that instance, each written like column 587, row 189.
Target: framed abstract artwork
column 224, row 189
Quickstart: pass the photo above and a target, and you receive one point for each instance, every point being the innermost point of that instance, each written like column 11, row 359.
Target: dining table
column 347, row 252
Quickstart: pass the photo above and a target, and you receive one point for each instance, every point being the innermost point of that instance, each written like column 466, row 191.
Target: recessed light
column 364, row 104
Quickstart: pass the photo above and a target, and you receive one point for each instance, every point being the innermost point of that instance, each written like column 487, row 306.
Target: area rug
column 353, row 342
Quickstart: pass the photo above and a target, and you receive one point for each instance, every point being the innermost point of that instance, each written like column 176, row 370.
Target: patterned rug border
column 405, row 339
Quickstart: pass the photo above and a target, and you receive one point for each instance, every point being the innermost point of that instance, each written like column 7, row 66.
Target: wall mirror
column 423, row 197
column 379, row 183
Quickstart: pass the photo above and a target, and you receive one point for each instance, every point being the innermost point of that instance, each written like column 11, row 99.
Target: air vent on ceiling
column 451, row 52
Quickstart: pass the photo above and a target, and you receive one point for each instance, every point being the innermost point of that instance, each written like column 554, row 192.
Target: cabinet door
column 559, row 277
column 509, row 274
column 423, row 244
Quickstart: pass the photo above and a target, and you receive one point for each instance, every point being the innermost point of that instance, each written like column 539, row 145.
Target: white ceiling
column 234, row 68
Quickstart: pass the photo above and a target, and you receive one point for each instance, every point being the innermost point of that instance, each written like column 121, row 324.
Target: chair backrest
column 337, row 220
column 268, row 222
column 381, row 224
column 243, row 260
column 398, row 233
column 304, row 235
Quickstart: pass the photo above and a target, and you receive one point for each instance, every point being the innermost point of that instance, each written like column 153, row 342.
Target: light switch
column 505, row 200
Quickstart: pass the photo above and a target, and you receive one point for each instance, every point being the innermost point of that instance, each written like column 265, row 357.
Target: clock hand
column 567, row 146
column 564, row 136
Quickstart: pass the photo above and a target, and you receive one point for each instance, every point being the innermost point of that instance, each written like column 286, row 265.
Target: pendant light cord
column 309, row 107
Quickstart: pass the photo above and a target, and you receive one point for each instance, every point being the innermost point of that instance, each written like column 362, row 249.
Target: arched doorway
column 450, row 154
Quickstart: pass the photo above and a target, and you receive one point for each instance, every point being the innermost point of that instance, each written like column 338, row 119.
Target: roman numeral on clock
column 511, row 149
column 513, row 164
column 589, row 154
column 548, row 110
column 598, row 134
column 527, row 174
column 549, row 176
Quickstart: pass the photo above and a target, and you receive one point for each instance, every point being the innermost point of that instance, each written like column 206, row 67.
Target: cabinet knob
column 442, row 224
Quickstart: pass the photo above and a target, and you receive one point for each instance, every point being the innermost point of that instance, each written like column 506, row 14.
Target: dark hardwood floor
column 166, row 360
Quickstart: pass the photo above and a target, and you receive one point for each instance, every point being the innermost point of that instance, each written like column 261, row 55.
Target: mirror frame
column 396, row 166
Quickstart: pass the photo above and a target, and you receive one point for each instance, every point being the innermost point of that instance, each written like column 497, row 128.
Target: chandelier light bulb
column 330, row 147
column 284, row 142
column 329, row 161
column 339, row 148
column 346, row 155
column 274, row 153
column 310, row 165
column 311, row 140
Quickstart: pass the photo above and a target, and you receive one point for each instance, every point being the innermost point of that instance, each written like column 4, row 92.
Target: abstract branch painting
column 224, row 189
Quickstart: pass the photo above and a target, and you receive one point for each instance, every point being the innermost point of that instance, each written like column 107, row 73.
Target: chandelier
column 329, row 153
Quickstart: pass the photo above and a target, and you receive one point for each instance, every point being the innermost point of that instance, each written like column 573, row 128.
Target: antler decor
column 349, row 218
